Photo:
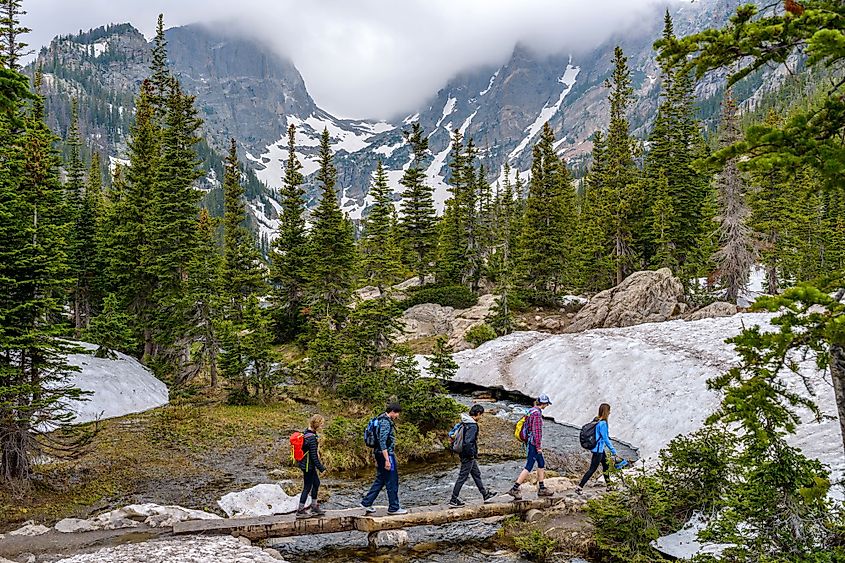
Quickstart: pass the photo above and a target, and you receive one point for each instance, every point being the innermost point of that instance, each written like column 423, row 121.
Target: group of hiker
column 380, row 437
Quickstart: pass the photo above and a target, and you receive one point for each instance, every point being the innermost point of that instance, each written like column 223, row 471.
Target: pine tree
column 82, row 222
column 546, row 259
column 380, row 253
column 662, row 214
column 33, row 276
column 12, row 49
column 111, row 330
column 735, row 256
column 418, row 221
column 242, row 272
column 288, row 259
column 331, row 257
column 441, row 365
column 160, row 76
column 256, row 345
column 204, row 301
column 456, row 259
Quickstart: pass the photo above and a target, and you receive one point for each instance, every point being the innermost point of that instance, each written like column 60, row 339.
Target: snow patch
column 568, row 79
column 655, row 376
column 120, row 387
column 260, row 500
column 99, row 48
column 490, row 85
column 448, row 108
column 114, row 162
column 223, row 549
column 388, row 150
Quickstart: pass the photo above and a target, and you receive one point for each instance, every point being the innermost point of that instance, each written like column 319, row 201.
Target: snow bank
column 260, row 500
column 121, row 386
column 183, row 550
column 654, row 376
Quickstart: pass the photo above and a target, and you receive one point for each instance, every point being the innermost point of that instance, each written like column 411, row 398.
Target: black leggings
column 312, row 485
column 598, row 458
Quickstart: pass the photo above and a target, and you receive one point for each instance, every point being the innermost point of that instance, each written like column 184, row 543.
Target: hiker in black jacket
column 310, row 465
column 469, row 457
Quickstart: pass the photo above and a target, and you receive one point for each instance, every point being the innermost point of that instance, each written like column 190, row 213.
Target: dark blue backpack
column 371, row 433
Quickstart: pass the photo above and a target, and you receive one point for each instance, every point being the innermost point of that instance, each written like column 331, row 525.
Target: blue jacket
column 603, row 439
column 386, row 434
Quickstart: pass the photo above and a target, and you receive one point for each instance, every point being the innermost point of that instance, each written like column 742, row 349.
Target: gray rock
column 388, row 538
column 643, row 297
column 30, row 529
column 74, row 525
column 717, row 309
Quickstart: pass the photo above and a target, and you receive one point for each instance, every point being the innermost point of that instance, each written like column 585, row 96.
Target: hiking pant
column 598, row 458
column 311, row 485
column 384, row 479
column 533, row 457
column 468, row 467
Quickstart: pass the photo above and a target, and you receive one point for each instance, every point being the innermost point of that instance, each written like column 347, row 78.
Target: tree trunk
column 15, row 462
column 148, row 345
column 77, row 312
column 213, row 369
column 837, row 374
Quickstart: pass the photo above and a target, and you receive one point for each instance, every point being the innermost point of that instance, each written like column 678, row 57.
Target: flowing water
column 431, row 483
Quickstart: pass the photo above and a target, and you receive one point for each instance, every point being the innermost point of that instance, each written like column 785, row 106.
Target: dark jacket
column 386, row 434
column 470, row 449
column 312, row 453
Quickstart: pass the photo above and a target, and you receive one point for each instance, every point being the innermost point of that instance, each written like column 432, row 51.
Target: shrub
column 535, row 545
column 457, row 296
column 480, row 334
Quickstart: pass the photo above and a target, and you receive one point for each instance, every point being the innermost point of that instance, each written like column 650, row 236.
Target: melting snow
column 447, row 111
column 568, row 80
column 225, row 549
column 100, row 48
column 654, row 375
column 388, row 150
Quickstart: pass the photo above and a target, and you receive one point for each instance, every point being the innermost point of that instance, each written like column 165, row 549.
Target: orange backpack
column 297, row 439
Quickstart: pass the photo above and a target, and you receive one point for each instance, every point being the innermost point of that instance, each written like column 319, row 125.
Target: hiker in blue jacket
column 603, row 443
column 387, row 473
column 310, row 465
column 469, row 458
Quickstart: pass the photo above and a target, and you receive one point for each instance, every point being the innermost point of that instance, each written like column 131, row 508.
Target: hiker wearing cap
column 599, row 456
column 534, row 424
column 468, row 452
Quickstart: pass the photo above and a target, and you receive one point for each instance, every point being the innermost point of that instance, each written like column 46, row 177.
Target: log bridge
column 355, row 519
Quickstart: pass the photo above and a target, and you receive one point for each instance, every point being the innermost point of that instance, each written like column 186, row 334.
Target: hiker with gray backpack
column 464, row 437
column 595, row 437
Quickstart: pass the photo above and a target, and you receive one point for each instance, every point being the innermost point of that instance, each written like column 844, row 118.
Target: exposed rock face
column 260, row 500
column 643, row 297
column 717, row 309
column 429, row 319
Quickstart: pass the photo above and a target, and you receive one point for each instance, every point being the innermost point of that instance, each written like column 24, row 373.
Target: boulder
column 717, row 309
column 643, row 297
column 367, row 293
column 74, row 525
column 30, row 529
column 388, row 538
column 427, row 319
column 260, row 500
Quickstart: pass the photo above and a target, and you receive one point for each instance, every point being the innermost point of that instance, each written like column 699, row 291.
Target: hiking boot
column 367, row 509
column 579, row 490
column 515, row 493
column 302, row 513
column 544, row 492
column 490, row 495
column 316, row 510
column 397, row 512
column 456, row 503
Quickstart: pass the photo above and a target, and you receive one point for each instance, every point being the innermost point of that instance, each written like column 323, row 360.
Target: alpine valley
column 246, row 91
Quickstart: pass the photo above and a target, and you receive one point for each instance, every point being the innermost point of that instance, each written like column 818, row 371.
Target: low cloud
column 369, row 58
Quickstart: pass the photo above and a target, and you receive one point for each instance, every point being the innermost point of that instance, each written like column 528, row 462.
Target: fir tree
column 12, row 49
column 441, row 366
column 160, row 76
column 417, row 224
column 83, row 223
column 380, row 253
column 111, row 330
column 736, row 253
column 331, row 257
column 546, row 259
column 242, row 273
column 288, row 259
column 662, row 214
column 204, row 301
column 34, row 276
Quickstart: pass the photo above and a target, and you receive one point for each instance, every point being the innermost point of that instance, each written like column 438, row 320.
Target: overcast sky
column 368, row 58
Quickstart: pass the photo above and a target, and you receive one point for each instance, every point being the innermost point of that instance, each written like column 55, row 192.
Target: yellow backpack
column 521, row 432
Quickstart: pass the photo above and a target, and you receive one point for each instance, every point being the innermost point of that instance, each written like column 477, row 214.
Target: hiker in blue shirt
column 387, row 473
column 599, row 456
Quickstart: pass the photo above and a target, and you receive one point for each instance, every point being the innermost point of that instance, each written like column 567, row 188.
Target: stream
column 432, row 482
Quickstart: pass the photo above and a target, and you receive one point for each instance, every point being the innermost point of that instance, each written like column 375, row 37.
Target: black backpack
column 588, row 435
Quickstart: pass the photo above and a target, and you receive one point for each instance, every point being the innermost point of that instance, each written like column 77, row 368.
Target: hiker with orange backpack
column 307, row 455
column 531, row 433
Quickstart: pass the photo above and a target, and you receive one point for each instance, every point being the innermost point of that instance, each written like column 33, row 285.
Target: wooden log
column 354, row 519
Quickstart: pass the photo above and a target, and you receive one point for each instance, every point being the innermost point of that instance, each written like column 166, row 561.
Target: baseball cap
column 544, row 399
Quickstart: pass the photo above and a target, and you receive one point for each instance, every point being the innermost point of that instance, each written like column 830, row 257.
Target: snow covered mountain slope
column 121, row 386
column 653, row 375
